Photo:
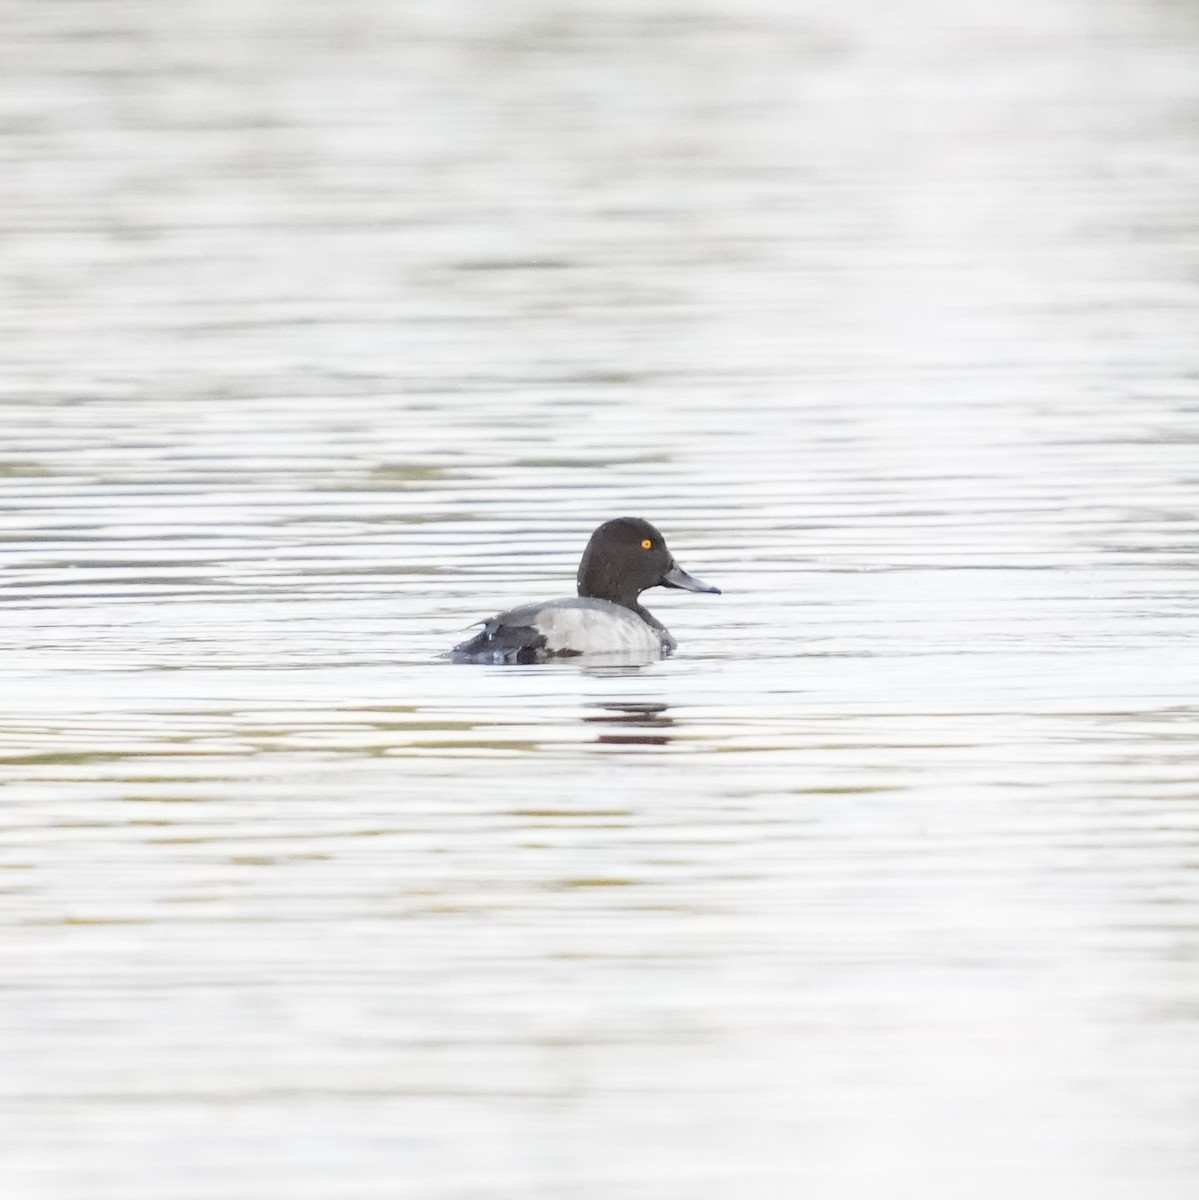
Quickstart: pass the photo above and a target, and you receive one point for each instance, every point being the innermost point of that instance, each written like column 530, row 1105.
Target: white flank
column 588, row 626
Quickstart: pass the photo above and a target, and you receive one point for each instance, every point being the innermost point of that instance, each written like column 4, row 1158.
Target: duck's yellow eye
column 647, row 545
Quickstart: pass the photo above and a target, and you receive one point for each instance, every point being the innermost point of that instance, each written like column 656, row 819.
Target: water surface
column 330, row 329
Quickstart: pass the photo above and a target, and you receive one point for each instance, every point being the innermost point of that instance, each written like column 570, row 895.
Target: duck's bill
column 676, row 577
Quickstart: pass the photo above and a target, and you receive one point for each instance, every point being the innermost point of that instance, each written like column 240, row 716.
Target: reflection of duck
column 637, row 714
column 623, row 558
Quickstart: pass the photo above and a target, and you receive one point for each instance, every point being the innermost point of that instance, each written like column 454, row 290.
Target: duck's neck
column 647, row 616
column 615, row 590
column 626, row 599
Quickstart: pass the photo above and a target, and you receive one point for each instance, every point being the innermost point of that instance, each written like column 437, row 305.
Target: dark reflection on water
column 647, row 718
column 329, row 328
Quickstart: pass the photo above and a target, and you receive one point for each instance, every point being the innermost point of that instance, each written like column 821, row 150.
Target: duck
column 623, row 558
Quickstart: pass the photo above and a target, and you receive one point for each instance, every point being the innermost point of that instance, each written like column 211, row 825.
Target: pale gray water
column 331, row 328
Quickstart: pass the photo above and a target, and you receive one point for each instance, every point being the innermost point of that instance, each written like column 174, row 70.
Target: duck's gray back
column 570, row 626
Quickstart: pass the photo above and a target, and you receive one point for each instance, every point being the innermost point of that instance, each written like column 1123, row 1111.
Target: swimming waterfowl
column 623, row 558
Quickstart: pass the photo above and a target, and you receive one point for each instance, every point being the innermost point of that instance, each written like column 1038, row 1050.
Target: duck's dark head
column 626, row 556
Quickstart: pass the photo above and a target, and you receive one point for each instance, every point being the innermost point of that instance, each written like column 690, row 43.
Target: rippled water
column 329, row 329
